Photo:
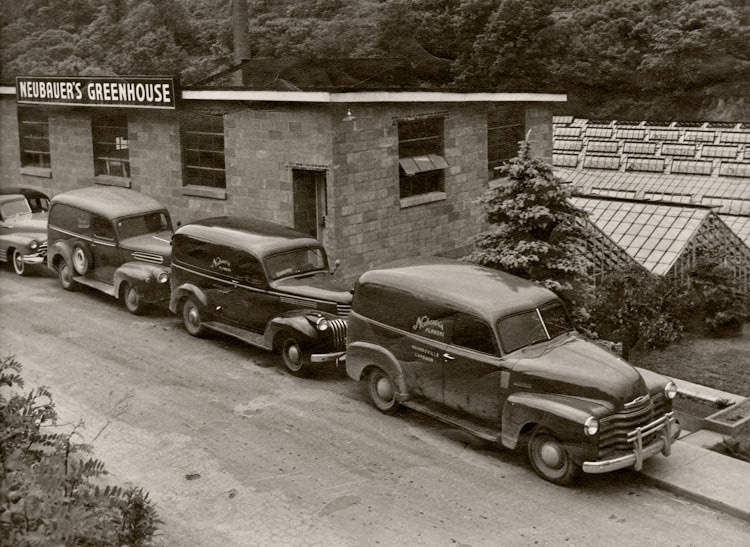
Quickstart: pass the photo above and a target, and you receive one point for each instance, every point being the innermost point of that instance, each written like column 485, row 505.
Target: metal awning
column 420, row 164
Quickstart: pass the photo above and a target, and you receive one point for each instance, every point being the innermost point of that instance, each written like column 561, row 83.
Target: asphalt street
column 234, row 451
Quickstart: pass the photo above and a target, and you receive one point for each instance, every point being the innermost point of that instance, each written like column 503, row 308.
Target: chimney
column 241, row 46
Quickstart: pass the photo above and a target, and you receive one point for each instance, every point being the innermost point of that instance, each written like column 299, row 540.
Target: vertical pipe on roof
column 240, row 32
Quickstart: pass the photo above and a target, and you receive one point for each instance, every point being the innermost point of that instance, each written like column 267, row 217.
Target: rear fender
column 363, row 356
column 182, row 292
column 57, row 252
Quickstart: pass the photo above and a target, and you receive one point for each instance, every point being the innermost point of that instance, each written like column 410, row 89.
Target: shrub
column 48, row 484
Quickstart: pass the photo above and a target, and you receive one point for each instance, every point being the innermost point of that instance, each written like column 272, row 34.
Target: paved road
column 276, row 460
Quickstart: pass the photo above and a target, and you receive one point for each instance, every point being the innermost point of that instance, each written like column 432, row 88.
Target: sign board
column 129, row 92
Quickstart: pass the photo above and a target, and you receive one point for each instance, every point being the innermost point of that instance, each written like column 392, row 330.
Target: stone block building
column 376, row 175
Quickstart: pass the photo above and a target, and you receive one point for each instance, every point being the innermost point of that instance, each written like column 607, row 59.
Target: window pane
column 111, row 145
column 418, row 142
column 203, row 150
column 506, row 126
column 33, row 135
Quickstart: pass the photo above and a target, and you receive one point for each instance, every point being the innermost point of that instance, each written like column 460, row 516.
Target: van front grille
column 343, row 310
column 338, row 329
column 614, row 429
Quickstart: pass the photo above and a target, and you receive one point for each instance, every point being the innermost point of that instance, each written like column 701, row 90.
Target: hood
column 321, row 286
column 158, row 244
column 570, row 365
column 33, row 224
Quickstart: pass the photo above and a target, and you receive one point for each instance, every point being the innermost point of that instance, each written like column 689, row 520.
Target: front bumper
column 667, row 430
column 38, row 257
column 336, row 357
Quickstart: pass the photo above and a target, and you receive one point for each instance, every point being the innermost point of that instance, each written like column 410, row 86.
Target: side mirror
column 336, row 265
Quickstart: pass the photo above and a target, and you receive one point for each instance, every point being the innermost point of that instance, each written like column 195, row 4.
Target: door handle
column 448, row 357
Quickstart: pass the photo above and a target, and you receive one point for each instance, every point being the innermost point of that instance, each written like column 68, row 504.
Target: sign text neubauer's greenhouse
column 135, row 92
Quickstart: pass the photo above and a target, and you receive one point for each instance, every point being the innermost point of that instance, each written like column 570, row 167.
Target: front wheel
column 382, row 391
column 296, row 360
column 65, row 276
column 550, row 459
column 19, row 266
column 133, row 299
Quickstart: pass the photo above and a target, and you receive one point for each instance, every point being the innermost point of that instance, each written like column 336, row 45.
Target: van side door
column 473, row 370
column 104, row 249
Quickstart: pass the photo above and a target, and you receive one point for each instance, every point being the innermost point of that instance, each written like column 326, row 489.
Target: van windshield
column 151, row 223
column 14, row 208
column 296, row 262
column 533, row 326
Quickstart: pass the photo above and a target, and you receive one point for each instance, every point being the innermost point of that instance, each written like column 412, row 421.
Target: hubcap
column 383, row 389
column 65, row 274
column 193, row 317
column 551, row 454
column 292, row 353
column 132, row 297
column 18, row 262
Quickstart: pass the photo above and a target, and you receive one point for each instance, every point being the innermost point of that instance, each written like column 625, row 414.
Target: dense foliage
column 634, row 59
column 51, row 492
column 533, row 232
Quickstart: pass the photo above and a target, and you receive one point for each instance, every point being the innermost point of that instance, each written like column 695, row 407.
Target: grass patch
column 735, row 447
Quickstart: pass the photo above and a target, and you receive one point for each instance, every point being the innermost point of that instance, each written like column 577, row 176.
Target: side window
column 250, row 271
column 70, row 219
column 471, row 333
column 101, row 228
column 421, row 156
column 33, row 135
column 191, row 251
column 111, row 147
column 506, row 126
column 203, row 150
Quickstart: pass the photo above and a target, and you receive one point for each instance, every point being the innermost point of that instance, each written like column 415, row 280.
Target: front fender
column 296, row 322
column 564, row 416
column 144, row 277
column 362, row 355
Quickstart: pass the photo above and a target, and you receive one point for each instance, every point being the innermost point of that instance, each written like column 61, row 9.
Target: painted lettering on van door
column 221, row 265
column 425, row 354
column 434, row 328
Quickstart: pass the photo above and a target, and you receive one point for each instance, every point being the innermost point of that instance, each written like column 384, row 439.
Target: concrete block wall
column 371, row 225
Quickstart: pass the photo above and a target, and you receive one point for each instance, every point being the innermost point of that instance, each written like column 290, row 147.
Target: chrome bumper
column 35, row 258
column 338, row 356
column 668, row 427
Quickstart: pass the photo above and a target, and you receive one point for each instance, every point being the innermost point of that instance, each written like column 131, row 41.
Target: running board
column 479, row 430
column 245, row 335
column 98, row 285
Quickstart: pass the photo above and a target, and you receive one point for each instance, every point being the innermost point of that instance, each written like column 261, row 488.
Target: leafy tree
column 48, row 490
column 534, row 231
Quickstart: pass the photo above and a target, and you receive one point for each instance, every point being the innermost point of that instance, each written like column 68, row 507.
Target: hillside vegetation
column 625, row 59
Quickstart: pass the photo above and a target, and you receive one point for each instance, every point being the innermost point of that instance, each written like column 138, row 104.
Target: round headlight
column 670, row 390
column 163, row 277
column 322, row 324
column 33, row 245
column 591, row 426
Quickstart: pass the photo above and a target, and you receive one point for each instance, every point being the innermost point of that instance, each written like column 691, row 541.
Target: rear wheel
column 19, row 266
column 133, row 299
column 296, row 360
column 192, row 317
column 550, row 459
column 81, row 257
column 65, row 276
column 382, row 391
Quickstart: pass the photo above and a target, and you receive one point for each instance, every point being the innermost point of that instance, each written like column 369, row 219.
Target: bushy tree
column 48, row 483
column 534, row 230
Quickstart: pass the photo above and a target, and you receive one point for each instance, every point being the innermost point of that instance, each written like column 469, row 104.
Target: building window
column 506, row 127
column 203, row 144
column 33, row 133
column 420, row 156
column 111, row 149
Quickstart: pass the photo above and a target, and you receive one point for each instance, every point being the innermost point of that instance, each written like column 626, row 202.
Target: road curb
column 706, row 501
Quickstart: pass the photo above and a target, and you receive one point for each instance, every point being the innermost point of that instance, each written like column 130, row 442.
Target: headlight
column 670, row 390
column 163, row 277
column 322, row 324
column 591, row 426
column 33, row 245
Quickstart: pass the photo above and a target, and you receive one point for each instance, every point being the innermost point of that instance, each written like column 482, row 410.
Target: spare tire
column 83, row 262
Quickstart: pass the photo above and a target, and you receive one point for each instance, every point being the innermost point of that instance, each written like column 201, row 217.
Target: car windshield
column 151, row 223
column 296, row 262
column 14, row 208
column 532, row 326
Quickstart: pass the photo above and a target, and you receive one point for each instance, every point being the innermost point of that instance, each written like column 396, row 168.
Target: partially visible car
column 23, row 233
column 114, row 240
column 498, row 356
column 38, row 201
column 262, row 283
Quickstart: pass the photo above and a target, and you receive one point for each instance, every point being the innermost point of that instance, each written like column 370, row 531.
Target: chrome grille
column 338, row 329
column 148, row 257
column 614, row 429
column 343, row 310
